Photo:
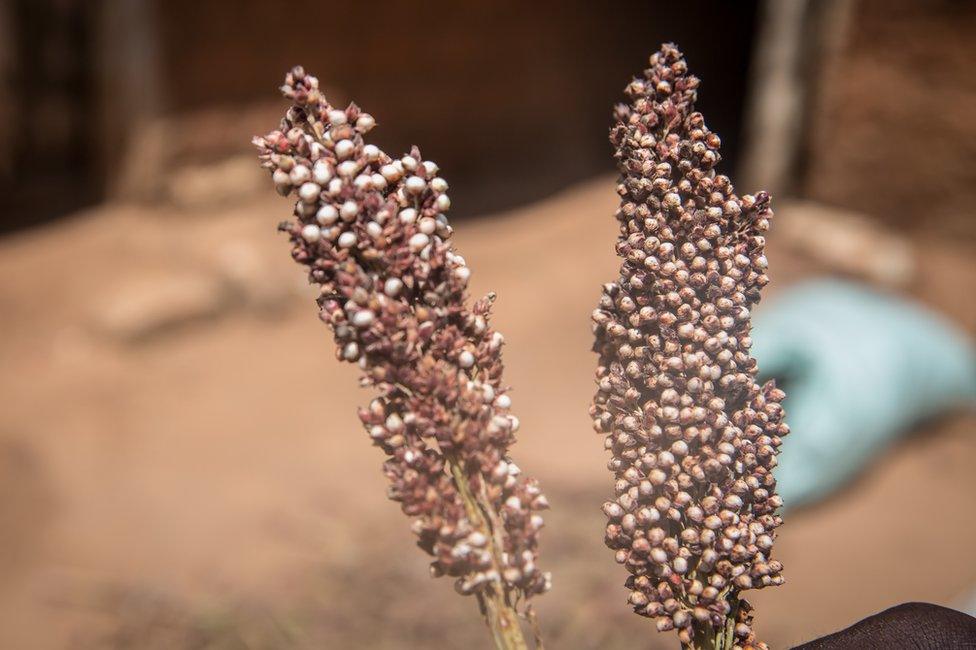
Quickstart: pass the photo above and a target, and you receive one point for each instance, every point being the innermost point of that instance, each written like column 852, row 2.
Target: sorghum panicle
column 693, row 437
column 373, row 233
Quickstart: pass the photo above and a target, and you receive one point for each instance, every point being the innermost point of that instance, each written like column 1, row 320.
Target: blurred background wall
column 110, row 98
column 113, row 98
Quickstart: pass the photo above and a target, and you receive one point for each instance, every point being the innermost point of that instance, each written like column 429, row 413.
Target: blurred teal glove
column 859, row 368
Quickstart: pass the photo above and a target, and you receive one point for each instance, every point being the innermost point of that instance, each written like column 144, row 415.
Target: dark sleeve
column 909, row 626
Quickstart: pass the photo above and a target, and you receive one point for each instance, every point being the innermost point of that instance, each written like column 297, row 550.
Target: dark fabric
column 909, row 626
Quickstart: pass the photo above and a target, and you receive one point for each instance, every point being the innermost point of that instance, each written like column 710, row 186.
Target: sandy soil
column 204, row 482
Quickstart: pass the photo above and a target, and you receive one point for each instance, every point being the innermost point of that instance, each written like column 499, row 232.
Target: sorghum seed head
column 373, row 234
column 693, row 264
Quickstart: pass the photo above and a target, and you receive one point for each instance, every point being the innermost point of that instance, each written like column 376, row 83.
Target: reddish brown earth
column 197, row 477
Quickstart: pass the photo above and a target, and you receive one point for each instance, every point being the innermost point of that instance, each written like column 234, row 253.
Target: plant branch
column 500, row 615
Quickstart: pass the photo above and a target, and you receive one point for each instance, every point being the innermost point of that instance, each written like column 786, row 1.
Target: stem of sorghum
column 373, row 232
column 500, row 614
column 705, row 636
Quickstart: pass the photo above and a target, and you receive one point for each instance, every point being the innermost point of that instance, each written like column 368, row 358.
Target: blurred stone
column 225, row 182
column 195, row 158
column 848, row 242
column 257, row 281
column 152, row 305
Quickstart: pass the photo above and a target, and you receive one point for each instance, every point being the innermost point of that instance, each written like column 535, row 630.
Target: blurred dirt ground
column 181, row 465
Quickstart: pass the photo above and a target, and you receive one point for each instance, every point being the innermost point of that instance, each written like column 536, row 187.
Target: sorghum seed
column 309, row 192
column 347, row 240
column 327, row 215
column 419, row 241
column 311, row 233
column 415, row 185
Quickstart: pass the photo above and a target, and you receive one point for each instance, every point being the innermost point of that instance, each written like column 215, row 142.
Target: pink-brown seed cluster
column 693, row 437
column 373, row 233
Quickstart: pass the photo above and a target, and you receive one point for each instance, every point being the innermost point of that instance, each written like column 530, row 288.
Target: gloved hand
column 859, row 368
column 911, row 625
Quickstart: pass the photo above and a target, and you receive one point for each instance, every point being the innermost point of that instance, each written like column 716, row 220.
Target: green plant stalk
column 500, row 614
column 708, row 637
